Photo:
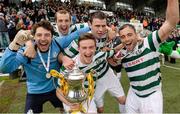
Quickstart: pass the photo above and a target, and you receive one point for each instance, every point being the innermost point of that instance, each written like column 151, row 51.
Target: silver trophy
column 72, row 85
column 75, row 81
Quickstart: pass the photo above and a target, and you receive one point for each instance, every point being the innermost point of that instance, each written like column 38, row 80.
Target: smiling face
column 43, row 39
column 63, row 21
column 87, row 48
column 128, row 37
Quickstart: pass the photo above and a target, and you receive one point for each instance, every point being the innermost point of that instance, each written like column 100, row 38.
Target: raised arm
column 172, row 18
column 12, row 59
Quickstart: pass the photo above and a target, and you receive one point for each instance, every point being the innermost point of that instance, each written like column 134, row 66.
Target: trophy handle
column 63, row 82
column 56, row 74
column 90, row 85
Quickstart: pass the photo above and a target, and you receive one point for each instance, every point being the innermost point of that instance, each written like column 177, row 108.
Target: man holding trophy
column 89, row 61
column 98, row 24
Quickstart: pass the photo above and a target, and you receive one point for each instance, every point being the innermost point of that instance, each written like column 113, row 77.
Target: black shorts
column 35, row 101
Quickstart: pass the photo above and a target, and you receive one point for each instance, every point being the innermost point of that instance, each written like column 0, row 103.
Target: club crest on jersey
column 93, row 71
column 40, row 66
column 55, row 55
column 98, row 61
column 139, row 51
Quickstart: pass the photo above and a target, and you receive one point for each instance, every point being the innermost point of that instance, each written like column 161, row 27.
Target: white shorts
column 151, row 104
column 109, row 82
column 90, row 110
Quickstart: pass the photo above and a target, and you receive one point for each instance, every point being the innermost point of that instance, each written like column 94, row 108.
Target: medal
column 48, row 75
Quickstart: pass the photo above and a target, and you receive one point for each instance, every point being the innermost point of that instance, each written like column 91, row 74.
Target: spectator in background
column 4, row 37
column 145, row 23
column 27, row 21
column 74, row 18
column 11, row 20
column 20, row 24
column 30, row 25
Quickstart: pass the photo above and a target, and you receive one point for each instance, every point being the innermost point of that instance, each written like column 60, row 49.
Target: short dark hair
column 127, row 25
column 86, row 36
column 99, row 15
column 62, row 11
column 45, row 24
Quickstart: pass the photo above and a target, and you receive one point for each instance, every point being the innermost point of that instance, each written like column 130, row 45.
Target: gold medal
column 48, row 75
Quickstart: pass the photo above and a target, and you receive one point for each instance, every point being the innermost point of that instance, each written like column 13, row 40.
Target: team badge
column 55, row 54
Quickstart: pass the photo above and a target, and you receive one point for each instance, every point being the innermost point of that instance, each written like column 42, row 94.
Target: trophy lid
column 75, row 74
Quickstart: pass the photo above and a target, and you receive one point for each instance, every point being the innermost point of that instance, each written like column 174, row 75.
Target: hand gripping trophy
column 72, row 87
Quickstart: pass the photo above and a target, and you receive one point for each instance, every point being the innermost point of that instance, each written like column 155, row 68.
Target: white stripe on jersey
column 145, row 82
column 155, row 41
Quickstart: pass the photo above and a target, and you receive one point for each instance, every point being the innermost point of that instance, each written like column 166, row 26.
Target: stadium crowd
column 23, row 16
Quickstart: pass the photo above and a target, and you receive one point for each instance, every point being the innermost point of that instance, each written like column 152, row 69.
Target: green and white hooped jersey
column 143, row 66
column 73, row 28
column 99, row 65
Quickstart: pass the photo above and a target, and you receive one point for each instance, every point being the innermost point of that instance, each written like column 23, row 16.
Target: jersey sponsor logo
column 135, row 62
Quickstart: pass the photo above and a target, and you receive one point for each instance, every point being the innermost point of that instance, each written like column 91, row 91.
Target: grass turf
column 12, row 93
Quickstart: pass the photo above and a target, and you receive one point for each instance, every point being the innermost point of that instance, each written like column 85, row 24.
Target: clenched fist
column 20, row 39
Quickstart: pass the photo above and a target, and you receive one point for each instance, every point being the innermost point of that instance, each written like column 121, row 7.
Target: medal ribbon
column 42, row 60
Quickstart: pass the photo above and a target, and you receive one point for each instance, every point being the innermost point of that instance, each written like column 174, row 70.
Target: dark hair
column 86, row 36
column 99, row 15
column 62, row 11
column 45, row 24
column 127, row 25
